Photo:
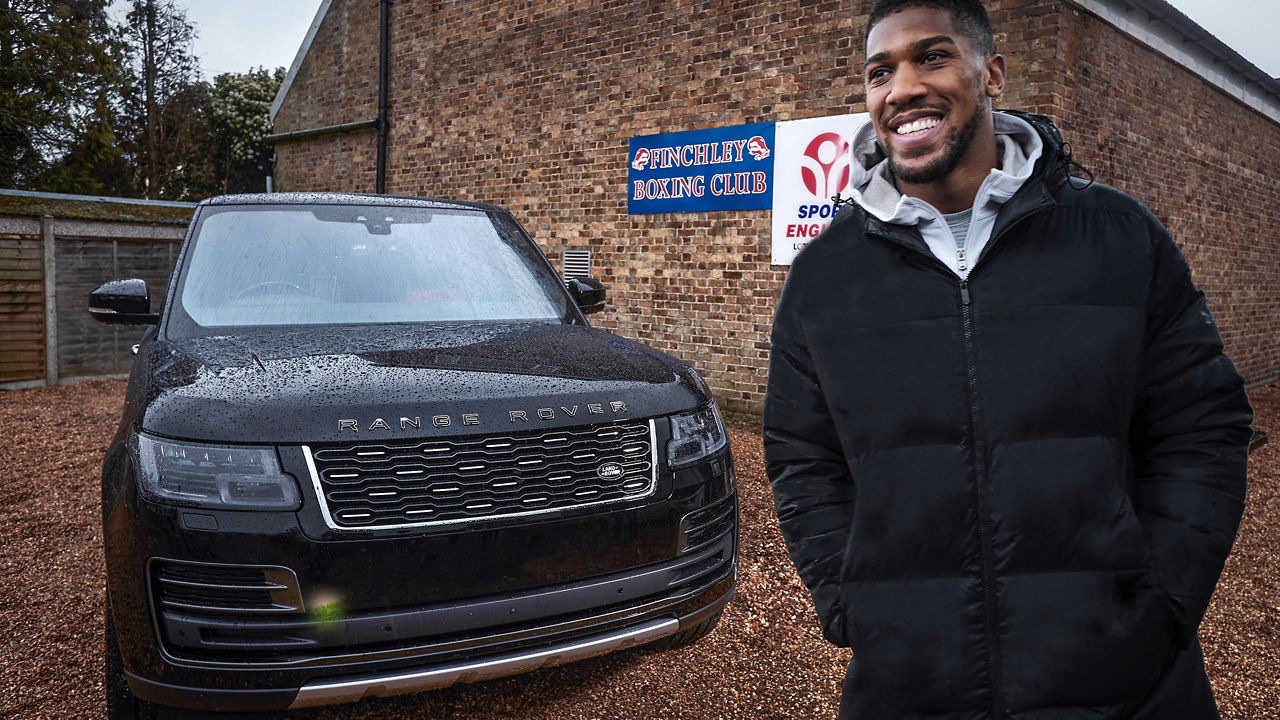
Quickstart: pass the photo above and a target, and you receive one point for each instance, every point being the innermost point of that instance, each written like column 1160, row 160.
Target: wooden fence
column 22, row 327
column 48, row 266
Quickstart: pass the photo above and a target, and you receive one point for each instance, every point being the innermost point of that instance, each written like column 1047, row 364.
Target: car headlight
column 200, row 475
column 695, row 435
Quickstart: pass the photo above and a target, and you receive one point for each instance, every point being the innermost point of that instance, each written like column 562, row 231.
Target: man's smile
column 918, row 126
column 914, row 129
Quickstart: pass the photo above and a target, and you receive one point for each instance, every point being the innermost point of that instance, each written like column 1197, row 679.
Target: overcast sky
column 236, row 35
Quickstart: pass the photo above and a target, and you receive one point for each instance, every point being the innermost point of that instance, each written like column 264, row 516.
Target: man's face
column 928, row 92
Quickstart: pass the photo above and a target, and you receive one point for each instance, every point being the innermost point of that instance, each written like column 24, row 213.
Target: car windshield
column 347, row 264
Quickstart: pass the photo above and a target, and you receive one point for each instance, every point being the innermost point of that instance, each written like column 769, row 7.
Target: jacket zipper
column 995, row 660
column 986, row 549
column 986, row 546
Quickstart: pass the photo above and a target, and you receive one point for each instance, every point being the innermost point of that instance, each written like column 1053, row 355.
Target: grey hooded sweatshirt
column 1018, row 147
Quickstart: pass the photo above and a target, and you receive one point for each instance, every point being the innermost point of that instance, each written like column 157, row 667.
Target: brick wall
column 530, row 106
column 338, row 80
column 1206, row 166
column 337, row 83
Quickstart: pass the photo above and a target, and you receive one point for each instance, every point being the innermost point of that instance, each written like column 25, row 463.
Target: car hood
column 380, row 383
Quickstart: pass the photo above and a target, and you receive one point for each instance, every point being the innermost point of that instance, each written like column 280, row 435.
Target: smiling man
column 1007, row 451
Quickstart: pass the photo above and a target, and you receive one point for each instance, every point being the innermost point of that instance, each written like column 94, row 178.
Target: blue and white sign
column 729, row 168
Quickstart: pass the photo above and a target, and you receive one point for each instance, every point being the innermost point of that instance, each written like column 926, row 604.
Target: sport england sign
column 812, row 163
column 728, row 168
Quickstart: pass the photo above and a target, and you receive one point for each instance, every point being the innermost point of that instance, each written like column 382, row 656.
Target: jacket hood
column 295, row 387
column 1022, row 140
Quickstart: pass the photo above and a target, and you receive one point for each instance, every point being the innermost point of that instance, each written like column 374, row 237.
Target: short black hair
column 970, row 17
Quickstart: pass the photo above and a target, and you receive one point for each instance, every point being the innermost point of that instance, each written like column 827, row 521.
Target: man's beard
column 954, row 148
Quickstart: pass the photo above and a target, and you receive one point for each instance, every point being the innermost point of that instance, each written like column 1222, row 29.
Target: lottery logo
column 824, row 167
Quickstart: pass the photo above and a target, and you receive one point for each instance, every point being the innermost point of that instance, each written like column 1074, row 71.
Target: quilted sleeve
column 812, row 489
column 1191, row 435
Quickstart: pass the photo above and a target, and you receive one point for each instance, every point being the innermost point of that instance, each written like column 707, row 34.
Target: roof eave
column 297, row 59
column 1193, row 47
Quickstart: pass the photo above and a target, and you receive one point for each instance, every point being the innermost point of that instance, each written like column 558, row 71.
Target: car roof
column 333, row 198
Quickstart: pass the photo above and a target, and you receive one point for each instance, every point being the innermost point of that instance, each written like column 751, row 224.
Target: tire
column 122, row 704
column 685, row 637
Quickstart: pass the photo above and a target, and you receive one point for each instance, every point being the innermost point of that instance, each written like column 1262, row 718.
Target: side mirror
column 123, row 302
column 588, row 293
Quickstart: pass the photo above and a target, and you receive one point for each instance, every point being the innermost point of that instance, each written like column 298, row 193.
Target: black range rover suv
column 371, row 446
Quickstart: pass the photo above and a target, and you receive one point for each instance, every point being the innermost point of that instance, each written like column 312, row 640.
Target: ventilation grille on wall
column 576, row 264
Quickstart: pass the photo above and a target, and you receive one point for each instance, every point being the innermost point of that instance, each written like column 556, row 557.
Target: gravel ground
column 766, row 659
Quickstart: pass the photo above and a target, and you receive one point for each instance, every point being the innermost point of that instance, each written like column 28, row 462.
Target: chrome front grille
column 459, row 479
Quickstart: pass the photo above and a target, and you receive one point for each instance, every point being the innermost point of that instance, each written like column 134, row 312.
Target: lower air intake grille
column 702, row 527
column 450, row 480
column 214, row 588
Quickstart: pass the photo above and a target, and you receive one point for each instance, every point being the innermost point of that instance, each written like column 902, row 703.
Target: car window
column 345, row 264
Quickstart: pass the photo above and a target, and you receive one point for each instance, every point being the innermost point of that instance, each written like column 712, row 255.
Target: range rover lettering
column 370, row 445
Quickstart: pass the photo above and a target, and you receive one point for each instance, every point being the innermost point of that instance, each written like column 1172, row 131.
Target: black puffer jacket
column 1012, row 496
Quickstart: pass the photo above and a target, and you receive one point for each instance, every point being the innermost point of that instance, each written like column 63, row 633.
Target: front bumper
column 326, row 693
column 571, row 622
column 329, row 690
column 420, row 610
